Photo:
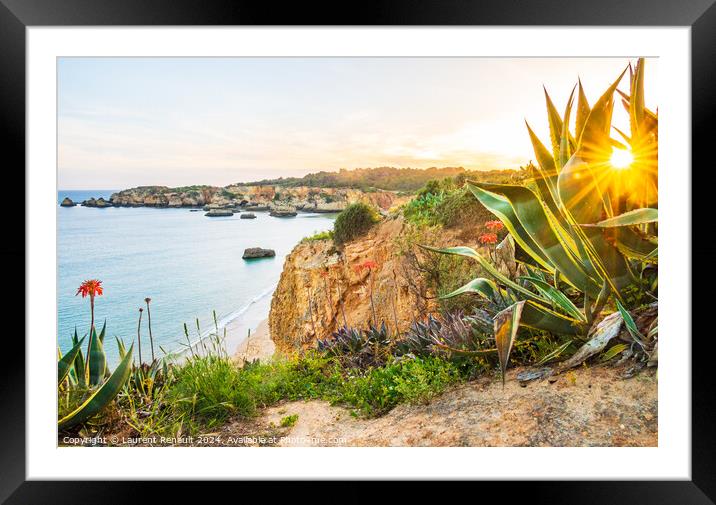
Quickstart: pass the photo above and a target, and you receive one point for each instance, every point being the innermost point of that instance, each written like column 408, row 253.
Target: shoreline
column 256, row 346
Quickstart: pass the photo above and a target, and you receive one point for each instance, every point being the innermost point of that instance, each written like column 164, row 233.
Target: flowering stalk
column 139, row 335
column 149, row 320
column 91, row 288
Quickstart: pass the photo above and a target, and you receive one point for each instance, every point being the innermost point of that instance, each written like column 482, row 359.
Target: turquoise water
column 188, row 264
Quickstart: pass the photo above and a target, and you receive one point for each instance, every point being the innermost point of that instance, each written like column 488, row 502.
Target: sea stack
column 219, row 213
column 257, row 252
column 67, row 202
column 283, row 212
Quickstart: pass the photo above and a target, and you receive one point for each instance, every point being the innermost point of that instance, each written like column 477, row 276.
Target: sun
column 621, row 158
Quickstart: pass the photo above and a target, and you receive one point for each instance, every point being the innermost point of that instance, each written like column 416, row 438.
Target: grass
column 204, row 392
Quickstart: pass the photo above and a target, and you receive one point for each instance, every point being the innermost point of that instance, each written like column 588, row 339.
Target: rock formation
column 248, row 215
column 67, row 202
column 258, row 252
column 219, row 213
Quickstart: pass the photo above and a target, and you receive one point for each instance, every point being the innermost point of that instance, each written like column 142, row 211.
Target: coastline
column 258, row 345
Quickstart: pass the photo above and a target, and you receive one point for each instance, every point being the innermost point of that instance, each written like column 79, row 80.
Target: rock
column 90, row 203
column 250, row 207
column 219, row 213
column 193, row 210
column 248, row 215
column 283, row 212
column 67, row 202
column 101, row 203
column 257, row 252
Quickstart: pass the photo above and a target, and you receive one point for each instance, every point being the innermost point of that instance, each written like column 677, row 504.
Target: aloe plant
column 90, row 376
column 586, row 218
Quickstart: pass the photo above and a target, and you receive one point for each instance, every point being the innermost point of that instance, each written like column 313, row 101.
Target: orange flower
column 90, row 287
column 369, row 264
column 488, row 238
column 494, row 225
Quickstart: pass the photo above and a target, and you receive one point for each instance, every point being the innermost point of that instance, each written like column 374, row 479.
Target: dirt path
column 587, row 407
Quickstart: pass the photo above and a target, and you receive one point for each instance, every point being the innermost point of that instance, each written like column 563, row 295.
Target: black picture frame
column 17, row 15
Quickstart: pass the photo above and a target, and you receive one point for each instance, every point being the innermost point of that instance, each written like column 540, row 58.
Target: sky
column 125, row 122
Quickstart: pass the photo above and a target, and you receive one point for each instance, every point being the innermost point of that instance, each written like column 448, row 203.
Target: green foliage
column 386, row 178
column 352, row 222
column 321, row 235
column 85, row 386
column 289, row 421
column 558, row 220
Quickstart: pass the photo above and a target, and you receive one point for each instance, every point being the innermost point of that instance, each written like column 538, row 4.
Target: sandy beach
column 257, row 346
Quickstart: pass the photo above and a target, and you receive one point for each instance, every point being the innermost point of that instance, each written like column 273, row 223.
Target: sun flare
column 621, row 158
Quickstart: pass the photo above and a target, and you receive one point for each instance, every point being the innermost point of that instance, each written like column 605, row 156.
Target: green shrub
column 354, row 221
column 461, row 207
column 321, row 235
column 406, row 380
column 289, row 421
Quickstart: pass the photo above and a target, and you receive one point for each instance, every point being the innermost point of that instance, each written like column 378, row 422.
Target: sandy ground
column 257, row 346
column 586, row 407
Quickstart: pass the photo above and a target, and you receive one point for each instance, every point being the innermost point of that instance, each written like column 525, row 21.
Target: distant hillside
column 386, row 178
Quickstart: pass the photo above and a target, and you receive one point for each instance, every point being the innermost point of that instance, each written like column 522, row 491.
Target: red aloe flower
column 494, row 225
column 488, row 238
column 90, row 287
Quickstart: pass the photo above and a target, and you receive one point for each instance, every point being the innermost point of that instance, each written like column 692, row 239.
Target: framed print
column 418, row 244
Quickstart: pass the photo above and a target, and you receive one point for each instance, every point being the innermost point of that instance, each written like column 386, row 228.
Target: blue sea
column 188, row 264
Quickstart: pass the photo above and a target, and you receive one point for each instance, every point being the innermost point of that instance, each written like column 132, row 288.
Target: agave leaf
column 100, row 398
column 529, row 212
column 556, row 297
column 485, row 287
column 537, row 316
column 64, row 365
column 555, row 127
column 121, row 347
column 629, row 218
column 595, row 135
column 556, row 353
column 565, row 146
column 582, row 111
column 97, row 360
column 102, row 332
column 507, row 323
column 636, row 102
column 630, row 324
column 79, row 367
column 505, row 212
column 613, row 351
column 600, row 336
column 468, row 252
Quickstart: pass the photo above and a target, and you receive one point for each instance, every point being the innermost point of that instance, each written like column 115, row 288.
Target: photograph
column 394, row 251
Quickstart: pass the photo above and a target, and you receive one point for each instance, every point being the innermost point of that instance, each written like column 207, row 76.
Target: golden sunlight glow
column 621, row 158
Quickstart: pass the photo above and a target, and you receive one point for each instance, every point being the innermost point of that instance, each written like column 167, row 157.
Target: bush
column 321, row 235
column 354, row 221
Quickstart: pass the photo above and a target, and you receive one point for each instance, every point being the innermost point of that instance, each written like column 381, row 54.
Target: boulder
column 248, row 215
column 283, row 212
column 101, row 203
column 256, row 207
column 90, row 203
column 219, row 213
column 67, row 202
column 258, row 252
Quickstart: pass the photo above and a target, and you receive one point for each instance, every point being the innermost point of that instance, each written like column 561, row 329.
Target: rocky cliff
column 321, row 288
column 304, row 198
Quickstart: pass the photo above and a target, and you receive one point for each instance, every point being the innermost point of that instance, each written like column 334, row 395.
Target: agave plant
column 587, row 218
column 89, row 378
column 358, row 348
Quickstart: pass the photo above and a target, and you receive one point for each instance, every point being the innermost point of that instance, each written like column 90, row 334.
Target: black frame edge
column 699, row 14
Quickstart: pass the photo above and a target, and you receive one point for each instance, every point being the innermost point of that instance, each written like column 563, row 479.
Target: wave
column 222, row 322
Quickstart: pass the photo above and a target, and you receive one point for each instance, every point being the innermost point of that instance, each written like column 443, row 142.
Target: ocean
column 188, row 264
